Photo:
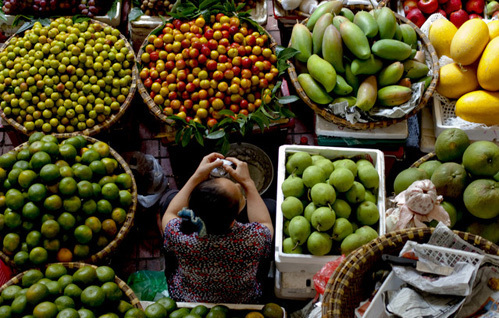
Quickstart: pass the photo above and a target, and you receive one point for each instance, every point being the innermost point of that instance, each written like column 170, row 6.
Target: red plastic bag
column 5, row 273
column 322, row 277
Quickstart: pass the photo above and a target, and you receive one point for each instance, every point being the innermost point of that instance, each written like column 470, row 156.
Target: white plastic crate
column 294, row 285
column 308, row 263
column 442, row 113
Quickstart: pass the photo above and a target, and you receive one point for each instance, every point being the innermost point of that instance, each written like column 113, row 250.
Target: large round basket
column 73, row 266
column 97, row 128
column 425, row 158
column 352, row 282
column 434, row 67
column 125, row 227
column 151, row 105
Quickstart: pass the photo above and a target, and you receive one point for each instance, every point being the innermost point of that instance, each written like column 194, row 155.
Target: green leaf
column 225, row 146
column 286, row 53
column 286, row 112
column 240, row 6
column 163, row 19
column 199, row 137
column 276, row 87
column 3, row 16
column 288, row 99
column 113, row 10
column 79, row 18
column 217, row 134
column 186, row 136
column 22, row 18
column 135, row 13
column 227, row 112
column 207, row 3
column 137, row 3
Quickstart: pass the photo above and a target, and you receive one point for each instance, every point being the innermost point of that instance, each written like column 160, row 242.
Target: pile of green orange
column 89, row 292
column 60, row 201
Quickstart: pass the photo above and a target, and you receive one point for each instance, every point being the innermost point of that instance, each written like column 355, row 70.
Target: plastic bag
column 148, row 285
column 322, row 277
column 150, row 178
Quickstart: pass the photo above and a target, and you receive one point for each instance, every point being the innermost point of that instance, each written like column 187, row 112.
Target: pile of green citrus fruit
column 88, row 292
column 60, row 201
column 66, row 76
column 167, row 308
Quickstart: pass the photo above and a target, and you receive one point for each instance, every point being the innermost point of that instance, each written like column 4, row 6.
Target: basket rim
column 428, row 156
column 154, row 109
column 370, row 253
column 76, row 265
column 427, row 46
column 125, row 227
column 97, row 128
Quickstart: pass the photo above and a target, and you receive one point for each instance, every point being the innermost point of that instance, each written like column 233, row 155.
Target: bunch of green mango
column 366, row 58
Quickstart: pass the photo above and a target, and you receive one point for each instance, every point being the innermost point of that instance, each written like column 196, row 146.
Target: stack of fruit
column 492, row 9
column 38, row 8
column 366, row 58
column 467, row 176
column 166, row 307
column 62, row 201
column 66, row 76
column 457, row 11
column 472, row 78
column 199, row 70
column 61, row 291
column 329, row 206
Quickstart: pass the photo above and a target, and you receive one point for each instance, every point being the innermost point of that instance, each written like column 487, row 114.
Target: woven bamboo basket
column 73, row 266
column 427, row 46
column 425, row 158
column 151, row 105
column 97, row 128
column 352, row 282
column 125, row 227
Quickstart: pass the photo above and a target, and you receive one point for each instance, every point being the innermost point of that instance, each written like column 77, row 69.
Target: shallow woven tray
column 123, row 230
column 16, row 280
column 97, row 128
column 352, row 282
column 153, row 107
column 382, row 123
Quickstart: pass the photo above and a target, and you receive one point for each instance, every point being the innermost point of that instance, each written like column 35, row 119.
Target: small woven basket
column 427, row 46
column 352, row 282
column 97, row 128
column 125, row 227
column 134, row 301
column 429, row 156
column 153, row 107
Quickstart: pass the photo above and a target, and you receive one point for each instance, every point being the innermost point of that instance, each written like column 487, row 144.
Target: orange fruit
column 119, row 215
column 109, row 227
column 83, row 234
column 50, row 228
column 110, row 163
column 37, row 192
column 45, row 309
column 66, row 220
column 38, row 255
column 94, row 224
column 272, row 310
column 64, row 255
column 81, row 251
column 110, row 191
column 49, row 173
column 93, row 296
column 39, row 159
column 72, row 204
column 67, row 186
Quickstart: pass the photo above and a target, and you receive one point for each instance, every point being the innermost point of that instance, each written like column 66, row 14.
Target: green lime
column 83, row 234
column 53, row 203
column 110, row 191
column 72, row 290
column 49, row 138
column 67, row 186
column 118, row 215
column 97, row 189
column 89, row 156
column 81, row 251
column 35, row 147
column 111, row 164
column 156, row 310
column 89, row 207
column 36, row 293
column 26, row 177
column 23, row 154
column 37, row 192
column 7, row 160
column 105, row 274
column 76, row 142
column 112, row 291
column 85, row 275
column 68, row 152
column 14, row 199
column 135, row 313
column 169, row 304
column 177, row 313
column 66, row 171
column 38, row 255
column 11, row 242
column 85, row 313
column 12, row 219
column 106, row 179
column 85, row 189
column 65, row 280
column 50, row 228
column 39, row 159
column 104, row 206
column 54, row 287
column 33, row 238
column 93, row 296
column 30, row 211
column 13, row 176
column 109, row 315
column 125, row 198
column 21, row 164
column 10, row 292
column 83, row 172
column 98, row 167
column 50, row 173
column 68, row 313
column 66, row 220
column 36, row 136
column 19, row 305
column 5, row 311
column 51, row 148
column 54, row 271
column 124, row 306
column 72, row 204
column 21, row 258
column 200, row 310
column 221, row 308
column 124, row 181
column 45, row 310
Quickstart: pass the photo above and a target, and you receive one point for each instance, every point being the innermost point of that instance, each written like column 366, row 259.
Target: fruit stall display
column 371, row 60
column 65, row 76
column 38, row 8
column 466, row 175
column 329, row 202
column 210, row 75
column 68, row 290
column 468, row 88
column 457, row 11
column 63, row 200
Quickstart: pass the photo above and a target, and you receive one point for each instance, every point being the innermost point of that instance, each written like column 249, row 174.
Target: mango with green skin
column 313, row 89
column 301, row 40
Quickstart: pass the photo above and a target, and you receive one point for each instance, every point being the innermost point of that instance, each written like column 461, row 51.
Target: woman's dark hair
column 213, row 204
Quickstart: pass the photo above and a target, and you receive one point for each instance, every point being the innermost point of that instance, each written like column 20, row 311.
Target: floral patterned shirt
column 217, row 268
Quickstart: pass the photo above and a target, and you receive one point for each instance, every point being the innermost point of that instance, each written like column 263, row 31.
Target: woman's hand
column 208, row 163
column 241, row 173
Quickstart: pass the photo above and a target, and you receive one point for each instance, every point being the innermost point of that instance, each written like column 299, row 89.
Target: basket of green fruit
column 68, row 290
column 71, row 199
column 66, row 76
column 203, row 73
column 361, row 69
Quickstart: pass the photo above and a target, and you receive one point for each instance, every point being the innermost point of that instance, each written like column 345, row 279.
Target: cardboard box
column 306, row 262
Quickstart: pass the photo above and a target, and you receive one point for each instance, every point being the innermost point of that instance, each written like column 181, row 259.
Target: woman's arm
column 202, row 173
column 257, row 210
